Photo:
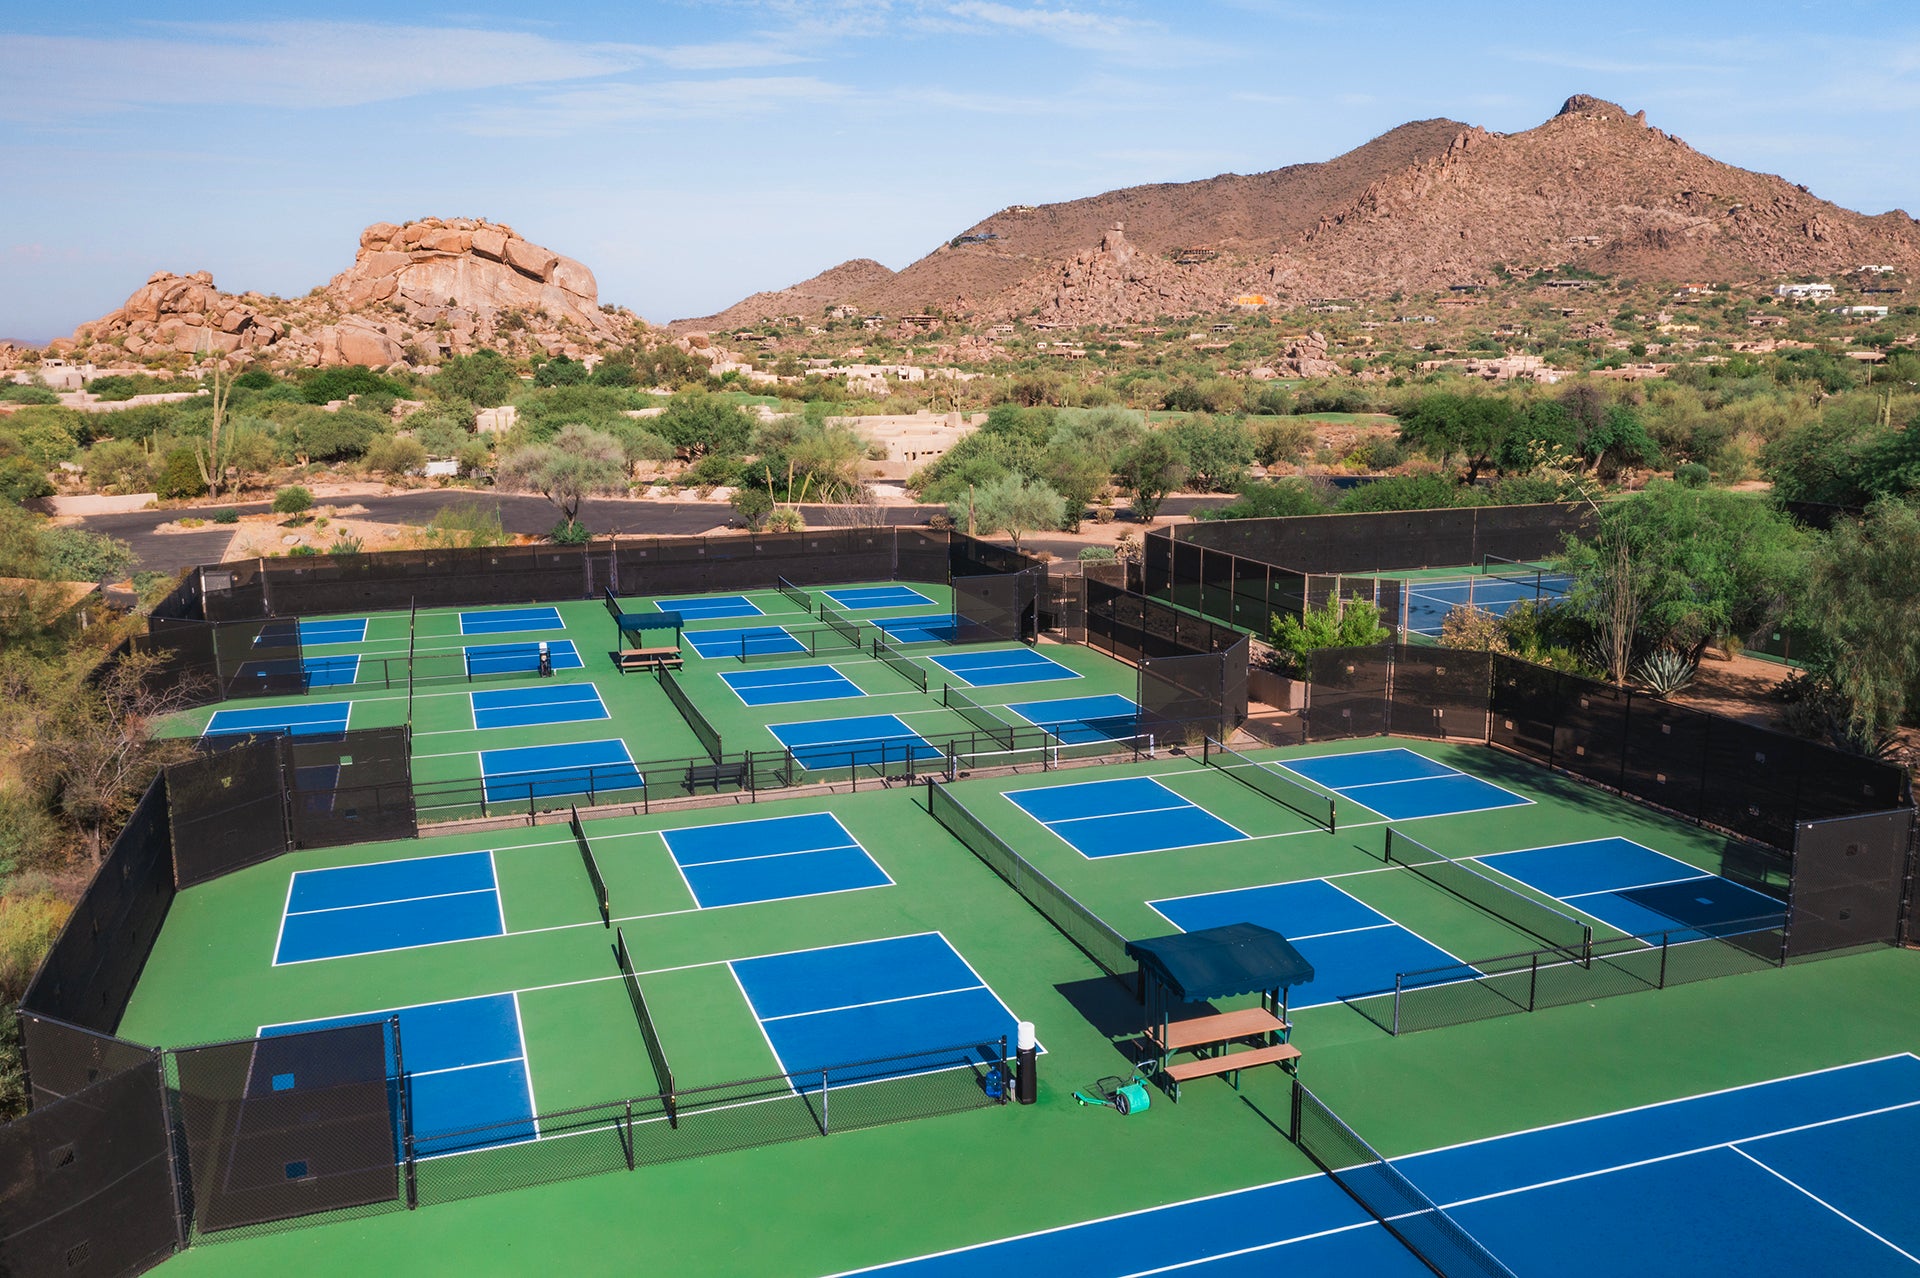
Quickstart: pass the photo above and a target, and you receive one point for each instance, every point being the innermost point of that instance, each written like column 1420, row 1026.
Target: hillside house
column 1803, row 292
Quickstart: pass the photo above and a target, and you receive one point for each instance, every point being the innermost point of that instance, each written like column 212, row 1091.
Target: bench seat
column 1227, row 1063
column 644, row 658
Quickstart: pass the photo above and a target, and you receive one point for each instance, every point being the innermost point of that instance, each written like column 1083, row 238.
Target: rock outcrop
column 415, row 294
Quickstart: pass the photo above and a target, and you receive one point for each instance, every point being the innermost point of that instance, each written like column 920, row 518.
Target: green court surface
column 824, row 1206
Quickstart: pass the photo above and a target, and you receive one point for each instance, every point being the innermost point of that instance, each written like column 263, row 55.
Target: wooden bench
column 715, row 775
column 646, row 658
column 1229, row 1063
column 1212, row 1036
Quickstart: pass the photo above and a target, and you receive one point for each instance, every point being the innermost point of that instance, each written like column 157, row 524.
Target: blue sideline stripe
column 503, row 621
column 862, row 598
column 702, row 609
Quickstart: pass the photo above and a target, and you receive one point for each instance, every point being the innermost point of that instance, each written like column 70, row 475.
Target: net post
column 1005, row 1073
column 1533, row 981
column 1293, row 1108
column 627, row 1134
column 1665, row 939
column 1399, row 979
column 826, row 1127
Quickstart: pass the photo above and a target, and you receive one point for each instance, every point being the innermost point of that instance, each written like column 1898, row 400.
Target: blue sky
column 691, row 153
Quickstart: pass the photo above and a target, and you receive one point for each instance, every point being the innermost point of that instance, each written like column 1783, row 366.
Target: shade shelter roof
column 1221, row 962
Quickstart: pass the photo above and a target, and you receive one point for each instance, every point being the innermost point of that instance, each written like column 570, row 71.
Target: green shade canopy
column 1221, row 962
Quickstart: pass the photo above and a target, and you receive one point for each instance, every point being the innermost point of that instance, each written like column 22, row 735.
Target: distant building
column 1861, row 312
column 1804, row 292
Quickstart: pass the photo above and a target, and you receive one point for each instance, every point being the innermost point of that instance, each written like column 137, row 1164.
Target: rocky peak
column 1598, row 108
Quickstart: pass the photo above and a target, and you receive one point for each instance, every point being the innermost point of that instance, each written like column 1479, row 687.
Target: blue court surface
column 872, row 999
column 789, row 684
column 466, row 1063
column 314, row 719
column 1401, row 785
column 736, row 641
column 771, row 860
column 330, row 672
column 1429, row 602
column 702, row 609
column 1077, row 720
column 314, row 633
column 520, row 658
column 533, row 707
column 509, row 621
column 1810, row 1174
column 1002, row 665
column 931, row 629
column 842, row 743
column 1640, row 891
column 578, row 767
column 391, row 905
column 1122, row 816
column 1355, row 950
column 862, row 598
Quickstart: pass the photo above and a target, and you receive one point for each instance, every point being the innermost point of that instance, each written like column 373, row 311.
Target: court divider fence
column 1095, row 937
column 1385, row 1193
column 703, row 729
column 1532, row 980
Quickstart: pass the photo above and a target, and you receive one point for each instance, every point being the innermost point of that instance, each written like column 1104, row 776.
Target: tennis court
column 863, row 598
column 1401, row 785
column 844, row 743
column 736, row 641
column 575, row 767
column 311, row 719
column 1427, row 603
column 314, row 633
column 788, row 685
column 389, row 905
column 1354, row 948
column 711, row 607
column 871, row 999
column 942, row 628
column 1639, row 891
column 466, row 1062
column 537, row 706
column 506, row 621
column 775, row 859
column 520, row 658
column 1077, row 720
column 1803, row 1174
column 1123, row 816
column 1001, row 666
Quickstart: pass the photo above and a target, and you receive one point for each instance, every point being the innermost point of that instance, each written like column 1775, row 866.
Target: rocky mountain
column 1425, row 206
column 414, row 294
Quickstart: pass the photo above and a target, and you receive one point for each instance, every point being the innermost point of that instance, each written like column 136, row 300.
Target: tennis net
column 708, row 735
column 593, row 868
column 1106, row 947
column 1561, row 931
column 841, row 622
column 1421, row 1225
column 656, row 1055
column 900, row 662
column 794, row 593
column 978, row 715
column 413, row 618
column 1539, row 577
column 1311, row 804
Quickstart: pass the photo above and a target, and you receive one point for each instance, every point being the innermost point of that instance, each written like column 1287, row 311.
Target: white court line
column 455, row 1069
column 877, row 1002
column 398, row 900
column 1789, row 1181
column 526, row 1067
column 766, row 856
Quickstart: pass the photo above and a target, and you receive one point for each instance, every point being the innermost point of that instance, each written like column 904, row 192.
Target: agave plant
column 1665, row 672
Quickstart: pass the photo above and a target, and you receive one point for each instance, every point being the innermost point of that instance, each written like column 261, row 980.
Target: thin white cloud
column 597, row 106
column 1122, row 39
column 309, row 65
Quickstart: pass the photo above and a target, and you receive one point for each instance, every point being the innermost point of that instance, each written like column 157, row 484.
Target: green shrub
column 1692, row 474
column 292, row 500
column 1353, row 623
column 1097, row 552
column 331, row 384
column 345, row 546
column 302, row 551
column 570, row 532
column 394, row 456
column 716, row 470
column 225, row 516
column 180, row 476
column 21, row 393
